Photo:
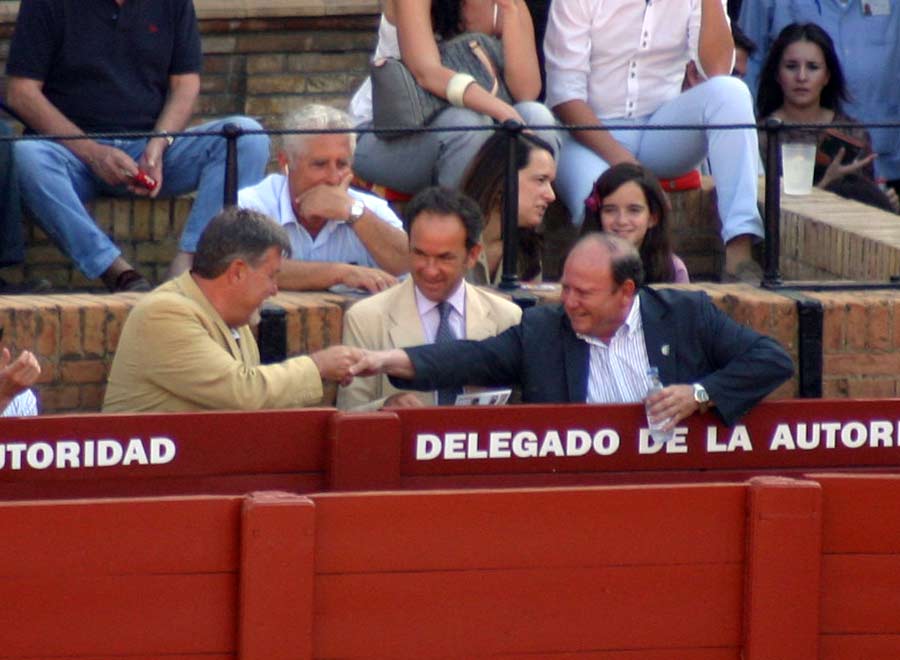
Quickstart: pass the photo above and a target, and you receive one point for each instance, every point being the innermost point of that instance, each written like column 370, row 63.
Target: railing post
column 272, row 333
column 510, row 219
column 231, row 133
column 772, row 257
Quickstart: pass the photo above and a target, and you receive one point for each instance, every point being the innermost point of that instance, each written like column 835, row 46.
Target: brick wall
column 861, row 344
column 827, row 237
column 75, row 336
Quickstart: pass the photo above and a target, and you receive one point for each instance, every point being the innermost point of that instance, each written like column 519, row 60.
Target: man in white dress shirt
column 621, row 63
column 339, row 236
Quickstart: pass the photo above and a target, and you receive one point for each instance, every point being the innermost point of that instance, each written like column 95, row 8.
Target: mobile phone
column 834, row 140
column 144, row 180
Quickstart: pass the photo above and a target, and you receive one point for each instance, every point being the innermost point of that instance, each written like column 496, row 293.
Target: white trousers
column 733, row 154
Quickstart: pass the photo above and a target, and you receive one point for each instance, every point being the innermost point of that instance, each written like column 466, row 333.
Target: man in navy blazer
column 704, row 357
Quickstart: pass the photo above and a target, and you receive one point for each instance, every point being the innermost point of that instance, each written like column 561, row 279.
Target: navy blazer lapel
column 659, row 336
column 576, row 355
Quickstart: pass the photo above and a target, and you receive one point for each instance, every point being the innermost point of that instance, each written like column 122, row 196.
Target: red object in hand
column 144, row 180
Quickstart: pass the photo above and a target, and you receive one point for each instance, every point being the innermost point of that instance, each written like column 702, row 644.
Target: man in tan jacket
column 187, row 345
column 444, row 231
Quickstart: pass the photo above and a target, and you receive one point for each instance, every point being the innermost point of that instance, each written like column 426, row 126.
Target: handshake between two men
column 188, row 344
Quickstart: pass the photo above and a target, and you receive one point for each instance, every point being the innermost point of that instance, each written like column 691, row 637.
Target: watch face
column 356, row 210
column 700, row 394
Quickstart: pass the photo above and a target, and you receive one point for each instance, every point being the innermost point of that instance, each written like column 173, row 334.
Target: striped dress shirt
column 24, row 404
column 618, row 371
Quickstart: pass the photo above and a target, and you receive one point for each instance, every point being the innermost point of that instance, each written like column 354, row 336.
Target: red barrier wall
column 154, row 578
column 860, row 595
column 212, row 453
column 769, row 569
column 508, row 446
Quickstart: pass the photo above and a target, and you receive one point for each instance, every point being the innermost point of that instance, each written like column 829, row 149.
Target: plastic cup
column 798, row 161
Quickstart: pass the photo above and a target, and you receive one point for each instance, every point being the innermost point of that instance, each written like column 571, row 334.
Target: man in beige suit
column 444, row 228
column 187, row 345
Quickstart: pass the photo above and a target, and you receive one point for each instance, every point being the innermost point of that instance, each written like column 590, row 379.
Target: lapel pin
column 665, row 349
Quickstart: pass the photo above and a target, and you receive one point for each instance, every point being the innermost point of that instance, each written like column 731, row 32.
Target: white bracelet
column 456, row 88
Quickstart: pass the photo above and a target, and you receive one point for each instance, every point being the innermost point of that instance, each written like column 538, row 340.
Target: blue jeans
column 733, row 154
column 12, row 248
column 55, row 185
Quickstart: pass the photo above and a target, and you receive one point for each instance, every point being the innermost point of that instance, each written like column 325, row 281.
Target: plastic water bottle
column 659, row 436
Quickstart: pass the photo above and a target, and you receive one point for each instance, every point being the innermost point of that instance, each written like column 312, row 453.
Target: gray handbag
column 398, row 102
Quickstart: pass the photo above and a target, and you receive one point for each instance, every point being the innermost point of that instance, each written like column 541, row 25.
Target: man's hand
column 372, row 280
column 402, row 400
column 112, row 165
column 674, row 403
column 325, row 202
column 393, row 362
column 151, row 161
column 334, row 363
column 17, row 375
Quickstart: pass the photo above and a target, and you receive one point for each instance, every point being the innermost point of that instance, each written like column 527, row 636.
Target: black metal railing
column 773, row 129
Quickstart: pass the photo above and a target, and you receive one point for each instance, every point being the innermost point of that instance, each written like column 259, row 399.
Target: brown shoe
column 130, row 280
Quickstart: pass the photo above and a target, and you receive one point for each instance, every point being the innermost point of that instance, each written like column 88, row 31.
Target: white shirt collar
column 457, row 300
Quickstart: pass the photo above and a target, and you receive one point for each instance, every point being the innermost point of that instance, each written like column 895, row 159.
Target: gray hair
column 237, row 233
column 314, row 117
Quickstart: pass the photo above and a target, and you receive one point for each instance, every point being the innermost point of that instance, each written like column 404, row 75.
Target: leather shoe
column 130, row 280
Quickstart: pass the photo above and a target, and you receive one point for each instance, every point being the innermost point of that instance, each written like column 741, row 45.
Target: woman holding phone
column 802, row 82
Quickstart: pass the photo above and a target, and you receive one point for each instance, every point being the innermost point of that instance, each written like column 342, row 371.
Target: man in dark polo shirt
column 79, row 66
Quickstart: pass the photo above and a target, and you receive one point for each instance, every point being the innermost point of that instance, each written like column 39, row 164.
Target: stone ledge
column 208, row 9
column 75, row 336
column 827, row 237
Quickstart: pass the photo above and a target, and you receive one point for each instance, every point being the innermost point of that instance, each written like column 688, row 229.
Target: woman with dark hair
column 411, row 30
column 802, row 82
column 484, row 181
column 628, row 201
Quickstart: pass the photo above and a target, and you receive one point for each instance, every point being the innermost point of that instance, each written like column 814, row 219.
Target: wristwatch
column 701, row 396
column 357, row 209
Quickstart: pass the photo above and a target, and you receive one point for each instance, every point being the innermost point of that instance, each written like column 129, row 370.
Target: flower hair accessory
column 593, row 201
